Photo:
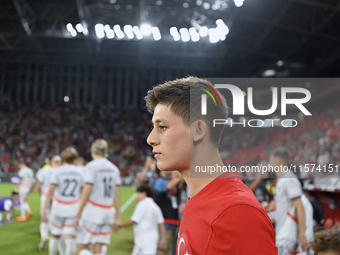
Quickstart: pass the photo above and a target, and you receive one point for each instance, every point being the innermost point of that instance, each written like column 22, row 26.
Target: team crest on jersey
column 183, row 246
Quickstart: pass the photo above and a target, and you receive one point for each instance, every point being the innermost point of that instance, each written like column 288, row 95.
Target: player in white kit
column 99, row 206
column 290, row 212
column 65, row 186
column 25, row 184
column 43, row 179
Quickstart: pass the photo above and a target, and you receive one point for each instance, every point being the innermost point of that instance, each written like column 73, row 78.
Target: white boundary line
column 128, row 202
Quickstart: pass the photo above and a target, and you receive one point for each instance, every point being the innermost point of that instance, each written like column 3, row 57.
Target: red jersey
column 225, row 218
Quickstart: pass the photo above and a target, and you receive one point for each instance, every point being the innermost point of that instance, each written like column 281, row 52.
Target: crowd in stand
column 33, row 132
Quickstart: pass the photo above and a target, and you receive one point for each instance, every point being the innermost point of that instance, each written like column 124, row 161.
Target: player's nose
column 152, row 138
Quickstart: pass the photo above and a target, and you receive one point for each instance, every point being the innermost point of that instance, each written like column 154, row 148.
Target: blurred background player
column 25, row 185
column 79, row 161
column 47, row 163
column 98, row 200
column 147, row 220
column 290, row 212
column 7, row 206
column 326, row 242
column 43, row 184
column 65, row 185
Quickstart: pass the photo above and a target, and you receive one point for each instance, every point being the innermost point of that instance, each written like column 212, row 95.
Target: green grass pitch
column 22, row 238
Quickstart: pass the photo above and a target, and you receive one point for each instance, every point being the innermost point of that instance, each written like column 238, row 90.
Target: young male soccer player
column 7, row 205
column 222, row 215
column 290, row 212
column 98, row 200
column 65, row 185
column 25, row 184
column 147, row 220
column 43, row 178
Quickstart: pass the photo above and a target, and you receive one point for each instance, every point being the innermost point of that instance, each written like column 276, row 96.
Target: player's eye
column 162, row 128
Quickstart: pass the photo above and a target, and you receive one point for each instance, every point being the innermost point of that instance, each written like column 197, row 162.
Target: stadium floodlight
column 69, row 27
column 118, row 32
column 199, row 2
column 213, row 35
column 175, row 34
column 79, row 28
column 109, row 32
column 222, row 37
column 203, row 31
column 206, row 6
column 128, row 30
column 238, row 3
column 268, row 73
column 99, row 28
column 137, row 32
column 66, row 99
column 184, row 34
column 73, row 33
column 159, row 2
column 185, row 5
column 173, row 31
column 222, row 28
column 177, row 37
column 156, row 33
column 146, row 29
column 85, row 31
column 195, row 37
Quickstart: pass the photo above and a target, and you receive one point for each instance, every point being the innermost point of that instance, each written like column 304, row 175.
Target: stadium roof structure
column 283, row 38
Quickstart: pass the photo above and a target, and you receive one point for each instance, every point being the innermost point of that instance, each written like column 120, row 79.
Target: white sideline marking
column 128, row 202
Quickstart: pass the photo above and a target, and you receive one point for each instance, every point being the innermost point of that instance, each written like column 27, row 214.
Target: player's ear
column 199, row 130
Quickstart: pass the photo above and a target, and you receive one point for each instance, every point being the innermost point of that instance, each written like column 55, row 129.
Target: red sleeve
column 242, row 230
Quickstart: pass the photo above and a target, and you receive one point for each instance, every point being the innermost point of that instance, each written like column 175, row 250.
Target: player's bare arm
column 125, row 224
column 85, row 194
column 117, row 219
column 162, row 234
column 48, row 201
column 301, row 217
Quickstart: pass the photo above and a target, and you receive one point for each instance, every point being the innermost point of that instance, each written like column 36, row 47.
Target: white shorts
column 137, row 251
column 287, row 247
column 23, row 192
column 91, row 233
column 62, row 225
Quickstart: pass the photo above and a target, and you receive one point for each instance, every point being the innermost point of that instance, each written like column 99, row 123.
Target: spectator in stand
column 165, row 187
column 147, row 175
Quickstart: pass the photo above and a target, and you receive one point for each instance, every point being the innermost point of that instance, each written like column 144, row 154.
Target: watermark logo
column 238, row 104
column 204, row 97
column 238, row 100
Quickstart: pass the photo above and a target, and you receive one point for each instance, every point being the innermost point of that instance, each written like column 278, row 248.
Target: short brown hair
column 184, row 98
column 69, row 155
column 326, row 240
column 282, row 153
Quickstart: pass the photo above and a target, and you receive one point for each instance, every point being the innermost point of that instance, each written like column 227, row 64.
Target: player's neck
column 96, row 157
column 197, row 181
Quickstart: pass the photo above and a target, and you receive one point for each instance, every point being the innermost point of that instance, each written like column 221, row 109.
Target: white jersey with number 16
column 104, row 176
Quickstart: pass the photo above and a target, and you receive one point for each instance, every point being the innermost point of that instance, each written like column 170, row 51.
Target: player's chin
column 164, row 167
